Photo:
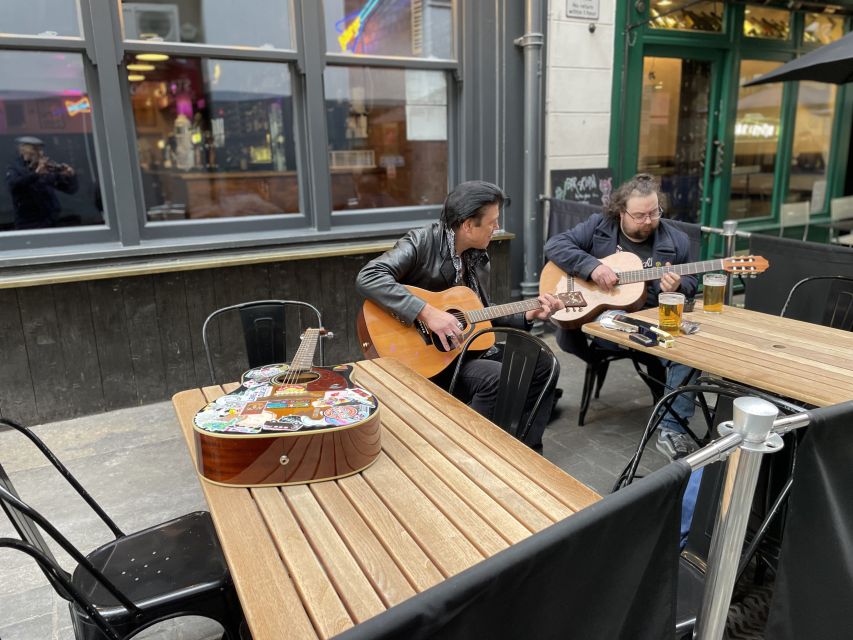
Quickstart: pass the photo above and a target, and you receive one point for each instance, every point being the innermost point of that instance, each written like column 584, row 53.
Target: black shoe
column 674, row 444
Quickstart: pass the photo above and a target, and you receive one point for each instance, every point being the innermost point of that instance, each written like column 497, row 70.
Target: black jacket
column 421, row 258
column 33, row 195
column 577, row 250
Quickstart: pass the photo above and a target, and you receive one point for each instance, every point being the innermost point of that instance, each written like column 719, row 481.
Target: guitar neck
column 304, row 357
column 501, row 310
column 655, row 273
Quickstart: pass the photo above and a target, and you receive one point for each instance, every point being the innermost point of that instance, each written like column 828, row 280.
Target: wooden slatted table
column 793, row 359
column 448, row 490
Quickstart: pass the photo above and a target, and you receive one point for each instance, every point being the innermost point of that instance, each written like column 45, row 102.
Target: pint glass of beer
column 713, row 289
column 670, row 308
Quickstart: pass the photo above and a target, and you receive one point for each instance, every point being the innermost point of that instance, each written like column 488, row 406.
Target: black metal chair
column 169, row 570
column 265, row 326
column 827, row 300
column 521, row 352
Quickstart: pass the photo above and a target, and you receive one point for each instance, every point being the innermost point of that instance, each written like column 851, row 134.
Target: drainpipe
column 531, row 42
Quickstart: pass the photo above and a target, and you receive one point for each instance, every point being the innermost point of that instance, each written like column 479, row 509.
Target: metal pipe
column 730, row 234
column 719, row 232
column 532, row 42
column 753, row 421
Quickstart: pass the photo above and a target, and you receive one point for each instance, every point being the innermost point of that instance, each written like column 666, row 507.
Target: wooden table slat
column 547, row 486
column 374, row 559
column 437, row 536
column 477, row 530
column 418, row 568
column 357, row 592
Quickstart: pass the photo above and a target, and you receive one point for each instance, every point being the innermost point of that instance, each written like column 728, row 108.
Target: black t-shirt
column 645, row 251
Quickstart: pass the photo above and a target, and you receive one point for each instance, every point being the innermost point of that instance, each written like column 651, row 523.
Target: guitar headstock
column 571, row 299
column 745, row 265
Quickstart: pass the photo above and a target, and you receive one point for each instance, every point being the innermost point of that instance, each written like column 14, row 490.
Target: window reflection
column 410, row 28
column 756, row 141
column 673, row 130
column 812, row 141
column 46, row 140
column 822, row 29
column 214, row 137
column 40, row 18
column 264, row 24
column 763, row 22
column 387, row 136
column 695, row 16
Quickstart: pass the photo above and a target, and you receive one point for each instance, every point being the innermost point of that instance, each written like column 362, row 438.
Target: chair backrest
column 566, row 214
column 694, row 234
column 841, row 208
column 794, row 214
column 266, row 326
column 521, row 352
column 826, row 300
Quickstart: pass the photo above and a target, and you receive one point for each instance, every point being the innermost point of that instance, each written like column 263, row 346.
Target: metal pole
column 531, row 42
column 730, row 234
column 753, row 420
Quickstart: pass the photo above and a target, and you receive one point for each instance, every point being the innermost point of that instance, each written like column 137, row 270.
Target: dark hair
column 468, row 199
column 642, row 184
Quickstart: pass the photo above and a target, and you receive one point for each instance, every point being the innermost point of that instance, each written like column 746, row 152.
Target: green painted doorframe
column 634, row 41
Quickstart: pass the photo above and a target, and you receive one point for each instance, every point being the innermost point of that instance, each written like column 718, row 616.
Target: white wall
column 578, row 89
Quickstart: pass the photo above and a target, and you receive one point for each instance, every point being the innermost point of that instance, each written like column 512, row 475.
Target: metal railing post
column 753, row 420
column 730, row 234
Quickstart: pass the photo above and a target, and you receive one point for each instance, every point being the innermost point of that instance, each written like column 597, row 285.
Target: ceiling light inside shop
column 664, row 3
column 152, row 57
column 140, row 67
column 135, row 77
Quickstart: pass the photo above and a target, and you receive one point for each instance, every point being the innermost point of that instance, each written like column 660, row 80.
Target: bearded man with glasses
column 632, row 221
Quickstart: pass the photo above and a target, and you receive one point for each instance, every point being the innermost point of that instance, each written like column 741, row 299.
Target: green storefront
column 761, row 155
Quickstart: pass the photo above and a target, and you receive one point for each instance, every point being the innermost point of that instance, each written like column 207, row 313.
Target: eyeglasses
column 653, row 215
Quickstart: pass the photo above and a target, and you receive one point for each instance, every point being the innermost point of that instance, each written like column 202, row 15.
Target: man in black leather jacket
column 448, row 253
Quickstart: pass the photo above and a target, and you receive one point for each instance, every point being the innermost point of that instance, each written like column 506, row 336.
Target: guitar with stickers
column 288, row 424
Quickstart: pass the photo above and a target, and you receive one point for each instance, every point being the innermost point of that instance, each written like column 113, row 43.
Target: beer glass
column 670, row 308
column 713, row 290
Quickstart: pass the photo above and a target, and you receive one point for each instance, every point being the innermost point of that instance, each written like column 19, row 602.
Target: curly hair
column 468, row 199
column 642, row 184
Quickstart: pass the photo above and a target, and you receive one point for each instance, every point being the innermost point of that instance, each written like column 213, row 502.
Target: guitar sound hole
column 295, row 377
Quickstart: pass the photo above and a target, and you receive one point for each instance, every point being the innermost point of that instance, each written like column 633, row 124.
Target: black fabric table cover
column 608, row 571
column 814, row 586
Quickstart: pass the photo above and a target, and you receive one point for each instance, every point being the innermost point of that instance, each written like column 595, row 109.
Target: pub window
column 686, row 15
column 49, row 18
column 215, row 138
column 264, row 24
column 812, row 142
column 49, row 155
column 387, row 137
column 822, row 28
column 764, row 22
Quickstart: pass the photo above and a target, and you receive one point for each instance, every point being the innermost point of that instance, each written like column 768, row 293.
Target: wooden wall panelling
column 79, row 349
column 143, row 327
column 17, row 396
column 173, row 319
column 112, row 343
column 42, row 338
column 201, row 295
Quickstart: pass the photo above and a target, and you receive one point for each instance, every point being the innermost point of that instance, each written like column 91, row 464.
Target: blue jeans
column 683, row 404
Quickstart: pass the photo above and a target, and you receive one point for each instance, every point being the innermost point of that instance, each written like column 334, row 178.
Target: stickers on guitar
column 258, row 406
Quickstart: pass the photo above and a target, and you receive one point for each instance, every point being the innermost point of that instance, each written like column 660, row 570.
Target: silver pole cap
column 753, row 418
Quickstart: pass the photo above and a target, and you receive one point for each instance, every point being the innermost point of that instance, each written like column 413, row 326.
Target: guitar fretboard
column 500, row 310
column 655, row 273
column 304, row 357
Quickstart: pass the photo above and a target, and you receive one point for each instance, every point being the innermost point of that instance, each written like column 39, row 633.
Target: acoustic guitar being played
column 630, row 293
column 382, row 335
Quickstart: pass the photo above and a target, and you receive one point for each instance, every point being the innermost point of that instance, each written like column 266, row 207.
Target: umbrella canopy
column 830, row 63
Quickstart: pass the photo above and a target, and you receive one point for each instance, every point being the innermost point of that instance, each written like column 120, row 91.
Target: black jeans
column 477, row 386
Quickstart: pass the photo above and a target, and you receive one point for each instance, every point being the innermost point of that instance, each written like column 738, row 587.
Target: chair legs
column 601, row 373
column 589, row 383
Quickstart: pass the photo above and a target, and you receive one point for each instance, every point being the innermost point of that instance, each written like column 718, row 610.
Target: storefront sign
column 592, row 186
column 583, row 9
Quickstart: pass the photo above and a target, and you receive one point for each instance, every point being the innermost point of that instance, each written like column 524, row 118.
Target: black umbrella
column 830, row 63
